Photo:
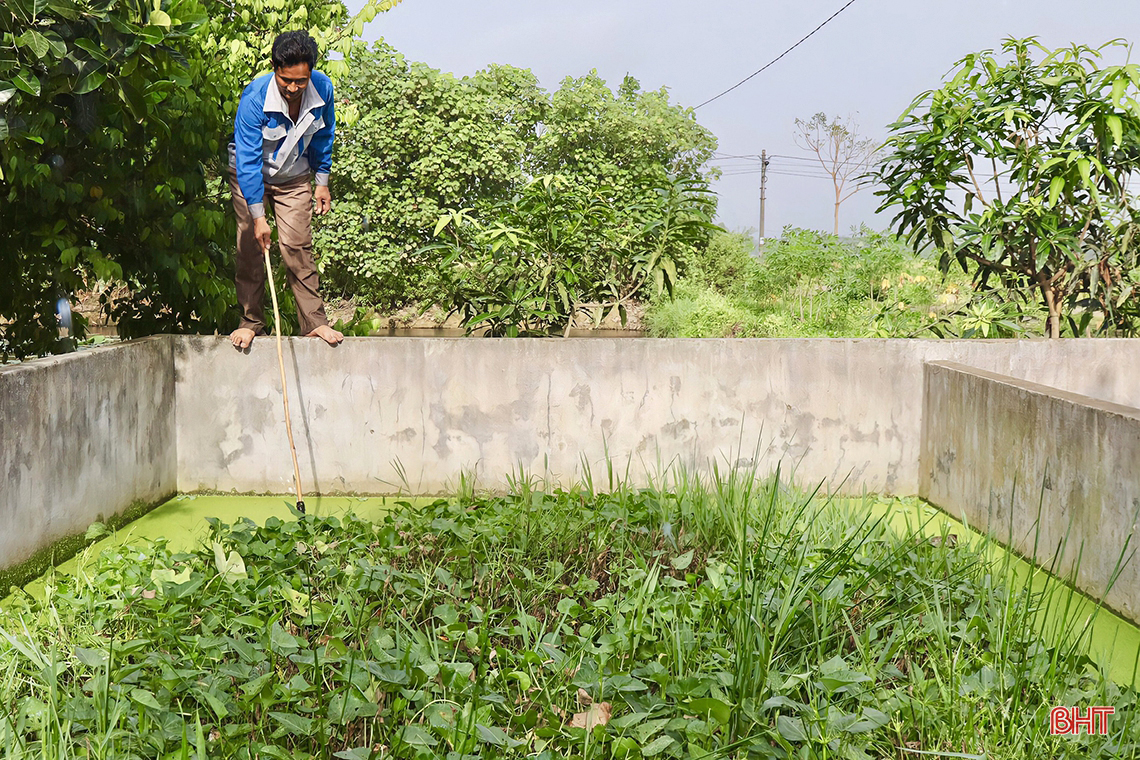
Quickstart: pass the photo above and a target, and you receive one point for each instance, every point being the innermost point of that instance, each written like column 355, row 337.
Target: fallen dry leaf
column 584, row 698
column 148, row 594
column 597, row 715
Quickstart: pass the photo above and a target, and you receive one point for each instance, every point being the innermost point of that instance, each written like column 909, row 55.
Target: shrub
column 431, row 147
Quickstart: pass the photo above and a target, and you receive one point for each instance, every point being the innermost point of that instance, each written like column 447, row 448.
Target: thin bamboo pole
column 284, row 385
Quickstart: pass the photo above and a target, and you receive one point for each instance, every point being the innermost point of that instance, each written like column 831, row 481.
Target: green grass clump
column 809, row 284
column 736, row 618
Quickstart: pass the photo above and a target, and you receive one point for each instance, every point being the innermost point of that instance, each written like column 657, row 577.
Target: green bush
column 699, row 311
column 621, row 190
column 425, row 142
column 813, row 284
column 725, row 263
column 559, row 250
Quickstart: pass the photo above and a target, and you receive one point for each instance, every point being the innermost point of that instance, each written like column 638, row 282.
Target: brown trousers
column 292, row 205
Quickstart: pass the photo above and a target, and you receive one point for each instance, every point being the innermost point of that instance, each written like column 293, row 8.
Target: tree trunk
column 1054, row 322
column 837, row 202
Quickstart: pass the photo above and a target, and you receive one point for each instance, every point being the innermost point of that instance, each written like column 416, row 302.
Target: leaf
column 293, row 724
column 145, row 698
column 442, row 222
column 92, row 81
column 160, row 18
column 1116, row 127
column 719, row 711
column 492, row 735
column 416, row 736
column 598, row 715
column 348, row 706
column 356, row 753
column 95, row 531
column 92, row 658
column 1085, row 169
column 626, row 683
column 871, row 720
column 281, row 640
column 791, row 729
column 27, row 82
column 1056, row 185
column 35, row 41
column 298, row 602
column 230, row 568
column 683, row 561
column 657, row 746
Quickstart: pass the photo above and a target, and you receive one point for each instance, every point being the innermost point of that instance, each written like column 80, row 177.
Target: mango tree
column 1016, row 169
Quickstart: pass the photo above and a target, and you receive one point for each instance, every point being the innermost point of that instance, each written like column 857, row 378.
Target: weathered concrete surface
column 847, row 412
column 82, row 437
column 999, row 452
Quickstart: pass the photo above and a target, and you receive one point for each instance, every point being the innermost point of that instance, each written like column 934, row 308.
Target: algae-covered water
column 1114, row 642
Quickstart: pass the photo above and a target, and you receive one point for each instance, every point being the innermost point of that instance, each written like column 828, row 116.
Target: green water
column 1114, row 642
column 182, row 520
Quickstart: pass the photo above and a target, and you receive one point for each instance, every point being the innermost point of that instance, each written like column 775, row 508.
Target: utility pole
column 763, row 189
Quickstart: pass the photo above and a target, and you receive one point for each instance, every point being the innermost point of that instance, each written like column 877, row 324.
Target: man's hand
column 262, row 232
column 322, row 200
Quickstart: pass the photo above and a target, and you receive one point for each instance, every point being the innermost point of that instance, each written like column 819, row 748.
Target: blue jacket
column 269, row 148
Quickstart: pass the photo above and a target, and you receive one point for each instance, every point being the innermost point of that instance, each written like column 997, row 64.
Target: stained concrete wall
column 1001, row 453
column 82, row 437
column 85, row 435
column 381, row 415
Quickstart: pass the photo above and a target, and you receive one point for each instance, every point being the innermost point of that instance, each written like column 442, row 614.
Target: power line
column 781, row 55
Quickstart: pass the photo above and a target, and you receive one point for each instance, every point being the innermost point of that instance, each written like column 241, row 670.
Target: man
column 283, row 133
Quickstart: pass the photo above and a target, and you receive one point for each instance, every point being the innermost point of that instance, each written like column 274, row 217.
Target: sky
column 868, row 63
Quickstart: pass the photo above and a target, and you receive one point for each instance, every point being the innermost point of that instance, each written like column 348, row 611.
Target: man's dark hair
column 291, row 48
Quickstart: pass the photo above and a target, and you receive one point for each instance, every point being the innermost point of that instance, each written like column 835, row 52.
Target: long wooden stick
column 284, row 385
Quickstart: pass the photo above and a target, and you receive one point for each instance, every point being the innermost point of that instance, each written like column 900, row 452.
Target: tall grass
column 706, row 616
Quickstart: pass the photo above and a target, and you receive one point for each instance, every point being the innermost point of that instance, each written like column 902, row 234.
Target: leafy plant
column 112, row 116
column 1016, row 169
column 734, row 617
column 809, row 283
column 424, row 142
column 557, row 248
column 629, row 183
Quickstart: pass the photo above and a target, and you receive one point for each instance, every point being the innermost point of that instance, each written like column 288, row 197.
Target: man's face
column 292, row 81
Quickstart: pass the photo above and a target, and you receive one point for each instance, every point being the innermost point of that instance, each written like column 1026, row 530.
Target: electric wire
column 781, row 55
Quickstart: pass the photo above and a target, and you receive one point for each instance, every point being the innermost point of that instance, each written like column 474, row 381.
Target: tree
column 425, row 142
column 429, row 145
column 1017, row 168
column 842, row 153
column 112, row 122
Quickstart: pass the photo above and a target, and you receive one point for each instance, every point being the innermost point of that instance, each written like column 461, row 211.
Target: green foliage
column 734, row 618
column 112, row 117
column 425, row 142
column 724, row 264
column 1059, row 136
column 559, row 245
column 596, row 194
column 812, row 284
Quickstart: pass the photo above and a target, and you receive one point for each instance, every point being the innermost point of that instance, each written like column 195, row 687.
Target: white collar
column 275, row 103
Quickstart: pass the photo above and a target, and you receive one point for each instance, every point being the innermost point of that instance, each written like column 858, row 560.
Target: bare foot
column 327, row 334
column 242, row 337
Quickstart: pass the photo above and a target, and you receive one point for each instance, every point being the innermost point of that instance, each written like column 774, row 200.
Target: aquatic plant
column 725, row 618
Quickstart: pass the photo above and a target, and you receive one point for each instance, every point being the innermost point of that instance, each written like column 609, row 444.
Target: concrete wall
column 999, row 452
column 85, row 435
column 82, row 437
column 847, row 412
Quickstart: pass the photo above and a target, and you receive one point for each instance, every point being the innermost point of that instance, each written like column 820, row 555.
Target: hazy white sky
column 869, row 62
